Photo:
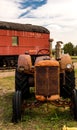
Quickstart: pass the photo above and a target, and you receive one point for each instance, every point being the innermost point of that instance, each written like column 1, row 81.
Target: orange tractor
column 52, row 79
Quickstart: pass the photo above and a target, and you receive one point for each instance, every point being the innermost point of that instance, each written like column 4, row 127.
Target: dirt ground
column 7, row 73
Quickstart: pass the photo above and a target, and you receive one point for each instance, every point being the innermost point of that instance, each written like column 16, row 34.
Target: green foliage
column 69, row 48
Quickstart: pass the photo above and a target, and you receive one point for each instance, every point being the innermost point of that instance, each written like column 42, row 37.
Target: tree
column 69, row 48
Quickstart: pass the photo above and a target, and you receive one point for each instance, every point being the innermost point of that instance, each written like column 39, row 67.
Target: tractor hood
column 50, row 62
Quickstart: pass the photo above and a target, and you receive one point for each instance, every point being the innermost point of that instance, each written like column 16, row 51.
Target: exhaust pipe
column 50, row 41
column 58, row 50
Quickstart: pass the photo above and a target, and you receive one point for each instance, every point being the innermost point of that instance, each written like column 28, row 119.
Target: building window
column 14, row 41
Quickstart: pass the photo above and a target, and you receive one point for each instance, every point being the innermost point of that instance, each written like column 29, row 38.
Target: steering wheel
column 43, row 51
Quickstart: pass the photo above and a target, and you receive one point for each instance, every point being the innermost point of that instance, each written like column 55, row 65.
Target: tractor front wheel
column 16, row 106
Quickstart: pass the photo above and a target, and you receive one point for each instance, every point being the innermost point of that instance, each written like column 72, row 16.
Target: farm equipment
column 52, row 78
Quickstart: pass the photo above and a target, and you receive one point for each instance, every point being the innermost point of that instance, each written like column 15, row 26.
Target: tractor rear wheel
column 74, row 103
column 22, row 84
column 16, row 106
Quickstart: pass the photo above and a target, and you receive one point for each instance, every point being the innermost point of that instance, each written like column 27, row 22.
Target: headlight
column 21, row 68
column 68, row 66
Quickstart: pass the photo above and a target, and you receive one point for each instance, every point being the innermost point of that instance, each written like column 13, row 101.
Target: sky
column 58, row 16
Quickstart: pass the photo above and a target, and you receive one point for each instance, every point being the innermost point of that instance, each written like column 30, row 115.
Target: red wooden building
column 18, row 38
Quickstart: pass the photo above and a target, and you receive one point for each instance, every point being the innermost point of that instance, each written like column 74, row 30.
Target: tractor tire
column 74, row 103
column 16, row 106
column 66, row 89
column 21, row 83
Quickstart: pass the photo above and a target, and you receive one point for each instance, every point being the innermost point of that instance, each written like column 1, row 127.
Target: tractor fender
column 65, row 59
column 24, row 62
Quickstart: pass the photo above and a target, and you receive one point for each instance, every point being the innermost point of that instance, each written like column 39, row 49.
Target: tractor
column 53, row 78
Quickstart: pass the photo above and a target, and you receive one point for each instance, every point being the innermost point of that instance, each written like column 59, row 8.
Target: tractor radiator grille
column 46, row 80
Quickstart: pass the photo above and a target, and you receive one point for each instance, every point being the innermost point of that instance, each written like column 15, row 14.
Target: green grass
column 74, row 58
column 75, row 72
column 44, row 117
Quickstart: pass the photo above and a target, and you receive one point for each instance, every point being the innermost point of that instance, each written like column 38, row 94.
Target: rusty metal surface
column 62, row 102
column 58, row 103
column 46, row 80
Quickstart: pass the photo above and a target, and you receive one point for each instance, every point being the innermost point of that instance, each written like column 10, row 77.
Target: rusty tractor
column 52, row 79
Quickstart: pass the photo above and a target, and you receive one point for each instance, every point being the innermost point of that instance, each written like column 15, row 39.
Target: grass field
column 45, row 117
column 74, row 58
column 76, row 72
